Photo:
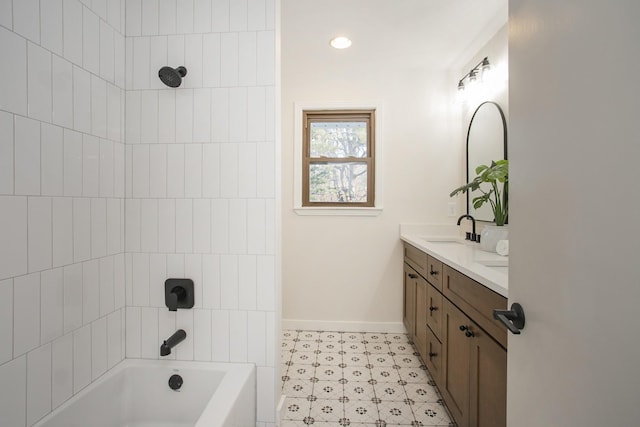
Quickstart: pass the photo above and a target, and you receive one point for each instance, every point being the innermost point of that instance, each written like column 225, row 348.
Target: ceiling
column 414, row 33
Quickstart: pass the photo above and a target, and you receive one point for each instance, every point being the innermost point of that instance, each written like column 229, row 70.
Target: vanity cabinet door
column 420, row 339
column 487, row 382
column 416, row 259
column 474, row 382
column 434, row 271
column 434, row 311
column 433, row 358
column 456, row 361
column 475, row 300
column 409, row 300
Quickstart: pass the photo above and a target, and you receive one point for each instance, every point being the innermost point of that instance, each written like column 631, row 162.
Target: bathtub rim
column 236, row 375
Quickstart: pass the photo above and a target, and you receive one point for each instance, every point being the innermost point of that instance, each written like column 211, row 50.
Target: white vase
column 491, row 234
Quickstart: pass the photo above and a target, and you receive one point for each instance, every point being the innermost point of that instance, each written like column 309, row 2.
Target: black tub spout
column 172, row 341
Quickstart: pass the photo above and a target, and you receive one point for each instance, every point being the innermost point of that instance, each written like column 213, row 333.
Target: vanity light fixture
column 340, row 42
column 472, row 76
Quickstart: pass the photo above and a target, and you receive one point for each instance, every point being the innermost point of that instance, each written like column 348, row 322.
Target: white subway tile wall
column 111, row 182
column 62, row 370
column 13, row 405
column 61, row 200
column 201, row 202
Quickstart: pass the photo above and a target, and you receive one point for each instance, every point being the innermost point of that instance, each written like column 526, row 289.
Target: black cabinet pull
column 432, row 309
column 413, row 276
column 431, row 355
column 513, row 319
column 433, row 272
column 467, row 332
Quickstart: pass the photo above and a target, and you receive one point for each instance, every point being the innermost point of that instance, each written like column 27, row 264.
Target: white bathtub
column 136, row 393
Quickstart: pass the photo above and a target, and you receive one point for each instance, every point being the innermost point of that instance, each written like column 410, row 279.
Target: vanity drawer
column 434, row 311
column 416, row 259
column 433, row 357
column 434, row 272
column 477, row 301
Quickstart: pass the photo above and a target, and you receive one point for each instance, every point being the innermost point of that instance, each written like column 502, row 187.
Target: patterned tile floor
column 356, row 379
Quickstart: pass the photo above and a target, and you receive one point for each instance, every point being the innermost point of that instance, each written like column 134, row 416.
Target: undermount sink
column 444, row 240
column 494, row 262
column 503, row 270
column 500, row 266
column 461, row 247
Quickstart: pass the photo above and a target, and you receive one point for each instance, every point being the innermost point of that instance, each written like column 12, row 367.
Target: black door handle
column 513, row 319
column 413, row 276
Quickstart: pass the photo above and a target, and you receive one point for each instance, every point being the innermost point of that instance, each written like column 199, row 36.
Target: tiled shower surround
column 111, row 182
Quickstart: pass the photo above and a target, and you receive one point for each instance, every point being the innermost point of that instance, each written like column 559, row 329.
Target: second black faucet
column 470, row 236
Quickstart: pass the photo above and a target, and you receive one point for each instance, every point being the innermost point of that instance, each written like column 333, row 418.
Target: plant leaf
column 496, row 173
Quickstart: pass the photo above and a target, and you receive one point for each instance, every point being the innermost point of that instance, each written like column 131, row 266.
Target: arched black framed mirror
column 486, row 141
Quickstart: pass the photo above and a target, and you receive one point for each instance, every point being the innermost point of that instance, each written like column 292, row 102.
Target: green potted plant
column 496, row 193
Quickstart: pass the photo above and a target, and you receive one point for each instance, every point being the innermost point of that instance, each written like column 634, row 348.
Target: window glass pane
column 338, row 139
column 338, row 182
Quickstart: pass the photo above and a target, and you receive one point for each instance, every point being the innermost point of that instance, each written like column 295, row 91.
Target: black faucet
column 470, row 236
column 172, row 341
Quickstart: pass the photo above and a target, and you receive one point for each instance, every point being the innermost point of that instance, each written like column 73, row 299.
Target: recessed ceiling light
column 340, row 42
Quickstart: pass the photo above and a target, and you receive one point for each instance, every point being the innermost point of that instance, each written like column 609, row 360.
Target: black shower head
column 172, row 77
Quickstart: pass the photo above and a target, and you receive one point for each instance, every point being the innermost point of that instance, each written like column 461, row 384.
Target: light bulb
column 340, row 42
column 486, row 69
column 485, row 65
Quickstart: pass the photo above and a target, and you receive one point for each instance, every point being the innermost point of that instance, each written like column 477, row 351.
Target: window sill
column 334, row 211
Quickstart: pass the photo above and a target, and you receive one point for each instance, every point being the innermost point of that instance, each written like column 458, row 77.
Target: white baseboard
column 324, row 325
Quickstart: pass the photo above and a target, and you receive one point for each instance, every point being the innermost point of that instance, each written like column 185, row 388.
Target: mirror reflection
column 486, row 142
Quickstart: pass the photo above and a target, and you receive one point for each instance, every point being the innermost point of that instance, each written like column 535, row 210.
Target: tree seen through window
column 338, row 158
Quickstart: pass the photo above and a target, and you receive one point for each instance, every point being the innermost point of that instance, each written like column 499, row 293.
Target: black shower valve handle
column 178, row 293
column 172, row 301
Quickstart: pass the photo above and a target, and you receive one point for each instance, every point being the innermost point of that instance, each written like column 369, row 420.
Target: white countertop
column 445, row 244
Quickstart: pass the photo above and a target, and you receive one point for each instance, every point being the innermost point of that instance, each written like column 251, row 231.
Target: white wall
column 349, row 269
column 62, row 265
column 201, row 182
column 494, row 88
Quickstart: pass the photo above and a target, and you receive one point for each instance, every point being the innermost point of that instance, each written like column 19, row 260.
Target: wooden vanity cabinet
column 420, row 337
column 433, row 357
column 415, row 295
column 434, row 311
column 449, row 317
column 456, row 363
column 476, row 301
column 416, row 260
column 409, row 300
column 474, row 372
column 488, row 382
column 420, row 298
column 434, row 271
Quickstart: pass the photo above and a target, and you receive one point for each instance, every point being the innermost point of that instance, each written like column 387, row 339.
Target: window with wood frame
column 338, row 158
